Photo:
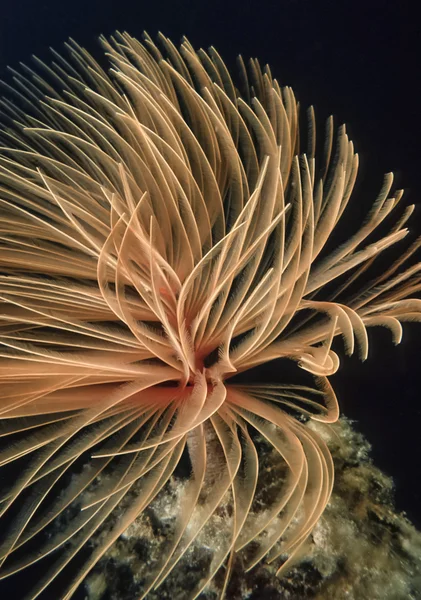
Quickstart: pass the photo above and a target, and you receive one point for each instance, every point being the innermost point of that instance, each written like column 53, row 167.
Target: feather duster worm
column 160, row 233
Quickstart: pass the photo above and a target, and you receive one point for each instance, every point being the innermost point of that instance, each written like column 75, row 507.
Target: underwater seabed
column 361, row 549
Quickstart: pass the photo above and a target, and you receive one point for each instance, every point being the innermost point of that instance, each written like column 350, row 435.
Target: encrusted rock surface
column 361, row 549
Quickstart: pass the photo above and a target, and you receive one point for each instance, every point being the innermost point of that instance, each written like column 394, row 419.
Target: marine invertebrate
column 161, row 233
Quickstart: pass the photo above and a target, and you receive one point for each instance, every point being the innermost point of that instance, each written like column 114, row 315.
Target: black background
column 357, row 60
